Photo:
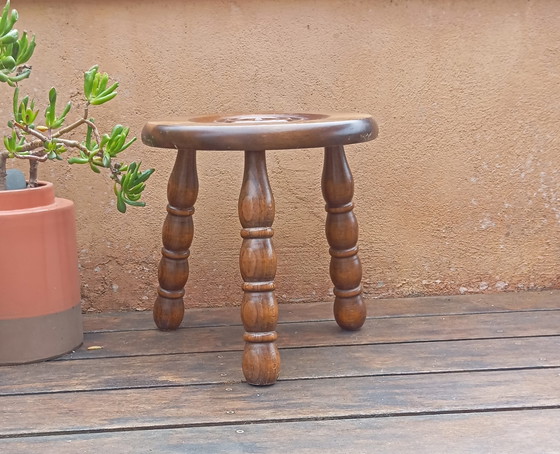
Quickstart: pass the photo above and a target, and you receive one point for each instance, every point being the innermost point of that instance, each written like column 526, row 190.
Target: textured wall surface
column 460, row 192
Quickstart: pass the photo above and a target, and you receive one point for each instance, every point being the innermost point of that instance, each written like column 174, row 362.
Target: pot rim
column 28, row 198
column 41, row 184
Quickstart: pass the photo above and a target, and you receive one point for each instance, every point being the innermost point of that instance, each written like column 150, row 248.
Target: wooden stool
column 255, row 133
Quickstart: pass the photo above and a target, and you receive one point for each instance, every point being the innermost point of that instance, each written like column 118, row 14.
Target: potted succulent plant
column 40, row 315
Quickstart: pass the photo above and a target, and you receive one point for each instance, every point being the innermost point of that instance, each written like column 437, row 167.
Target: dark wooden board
column 308, row 334
column 535, row 432
column 305, row 363
column 200, row 405
column 401, row 307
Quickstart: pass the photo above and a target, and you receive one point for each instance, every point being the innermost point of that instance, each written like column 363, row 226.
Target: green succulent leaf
column 94, row 167
column 76, row 160
column 121, row 205
column 54, row 150
column 23, row 49
column 7, row 63
column 24, row 74
column 89, row 76
column 132, row 184
column 53, row 121
column 15, row 103
column 97, row 101
column 116, row 141
column 10, row 37
column 52, row 96
column 13, row 144
column 95, row 87
column 90, row 144
column 8, row 19
column 106, row 159
column 4, row 19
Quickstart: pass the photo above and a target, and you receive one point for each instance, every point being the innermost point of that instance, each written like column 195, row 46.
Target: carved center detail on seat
column 267, row 118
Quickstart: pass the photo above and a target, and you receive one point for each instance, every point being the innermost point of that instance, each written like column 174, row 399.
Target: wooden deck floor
column 466, row 374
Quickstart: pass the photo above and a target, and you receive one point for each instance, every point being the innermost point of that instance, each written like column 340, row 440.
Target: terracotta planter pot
column 40, row 314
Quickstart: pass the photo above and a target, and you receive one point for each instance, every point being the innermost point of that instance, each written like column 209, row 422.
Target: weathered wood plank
column 528, row 432
column 287, row 400
column 309, row 334
column 306, row 363
column 456, row 304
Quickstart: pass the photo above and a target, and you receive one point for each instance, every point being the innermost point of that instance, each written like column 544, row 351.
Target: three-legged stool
column 255, row 133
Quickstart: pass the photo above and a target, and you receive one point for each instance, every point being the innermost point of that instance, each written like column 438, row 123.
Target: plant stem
column 115, row 173
column 31, row 145
column 33, row 170
column 33, row 132
column 95, row 131
column 3, row 159
column 71, row 143
column 77, row 123
column 33, row 157
column 69, row 128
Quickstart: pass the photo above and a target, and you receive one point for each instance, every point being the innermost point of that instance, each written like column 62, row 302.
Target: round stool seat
column 266, row 131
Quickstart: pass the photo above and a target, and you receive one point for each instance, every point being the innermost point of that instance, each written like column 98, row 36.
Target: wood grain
column 327, row 333
column 257, row 263
column 261, row 131
column 177, row 236
column 318, row 311
column 301, row 363
column 341, row 229
column 288, row 400
column 536, row 432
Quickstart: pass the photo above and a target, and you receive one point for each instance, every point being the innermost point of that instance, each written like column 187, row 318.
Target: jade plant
column 38, row 138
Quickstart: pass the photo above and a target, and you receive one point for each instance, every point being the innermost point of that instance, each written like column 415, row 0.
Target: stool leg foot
column 177, row 235
column 257, row 263
column 341, row 229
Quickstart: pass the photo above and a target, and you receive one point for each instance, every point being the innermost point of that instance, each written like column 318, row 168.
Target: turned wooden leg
column 177, row 235
column 257, row 262
column 342, row 235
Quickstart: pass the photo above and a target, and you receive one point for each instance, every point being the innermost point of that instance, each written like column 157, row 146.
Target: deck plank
column 286, row 401
column 305, row 363
column 533, row 432
column 313, row 334
column 297, row 312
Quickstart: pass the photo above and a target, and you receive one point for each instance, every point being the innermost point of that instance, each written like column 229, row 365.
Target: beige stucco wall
column 460, row 192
